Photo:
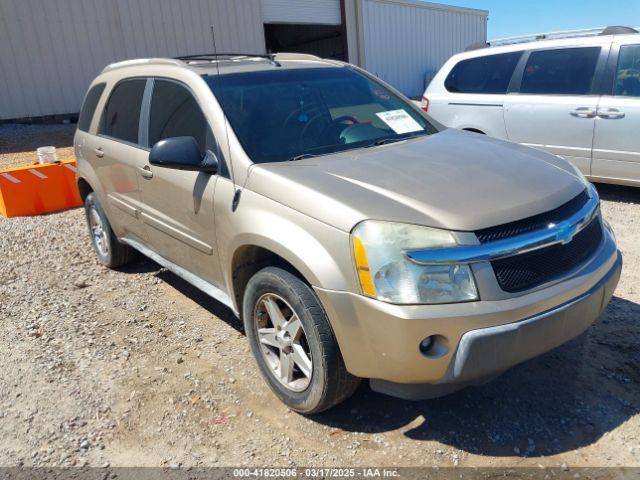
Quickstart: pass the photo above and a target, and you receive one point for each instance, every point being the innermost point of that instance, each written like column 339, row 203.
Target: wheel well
column 474, row 130
column 250, row 259
column 84, row 187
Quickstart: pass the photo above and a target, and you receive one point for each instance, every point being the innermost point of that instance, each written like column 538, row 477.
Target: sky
column 518, row 17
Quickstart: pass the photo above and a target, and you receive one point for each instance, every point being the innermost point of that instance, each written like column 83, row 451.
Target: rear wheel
column 109, row 250
column 293, row 343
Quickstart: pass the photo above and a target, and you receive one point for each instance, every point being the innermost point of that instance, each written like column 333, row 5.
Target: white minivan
column 576, row 97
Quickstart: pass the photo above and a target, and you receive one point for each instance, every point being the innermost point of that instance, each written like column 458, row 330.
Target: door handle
column 584, row 112
column 146, row 172
column 99, row 153
column 610, row 113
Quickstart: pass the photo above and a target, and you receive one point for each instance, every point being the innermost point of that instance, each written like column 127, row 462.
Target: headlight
column 387, row 274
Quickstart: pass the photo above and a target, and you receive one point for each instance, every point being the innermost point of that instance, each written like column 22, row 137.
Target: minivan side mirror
column 182, row 153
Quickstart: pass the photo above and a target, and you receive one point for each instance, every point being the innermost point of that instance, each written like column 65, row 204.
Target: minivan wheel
column 109, row 250
column 293, row 343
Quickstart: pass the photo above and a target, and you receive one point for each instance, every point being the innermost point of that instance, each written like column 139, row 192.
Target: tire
column 110, row 252
column 329, row 383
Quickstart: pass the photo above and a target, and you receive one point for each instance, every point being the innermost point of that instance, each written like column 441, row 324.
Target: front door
column 616, row 143
column 179, row 205
column 554, row 108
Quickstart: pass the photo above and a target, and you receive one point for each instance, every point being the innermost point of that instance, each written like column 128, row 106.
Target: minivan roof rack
column 476, row 46
column 587, row 32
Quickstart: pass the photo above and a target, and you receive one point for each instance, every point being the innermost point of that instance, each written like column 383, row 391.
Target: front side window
column 489, row 74
column 562, row 71
column 89, row 106
column 175, row 113
column 121, row 117
column 286, row 114
column 628, row 72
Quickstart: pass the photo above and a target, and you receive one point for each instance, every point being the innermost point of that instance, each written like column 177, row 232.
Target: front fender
column 320, row 252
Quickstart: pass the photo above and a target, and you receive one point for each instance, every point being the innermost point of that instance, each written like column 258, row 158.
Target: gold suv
column 355, row 237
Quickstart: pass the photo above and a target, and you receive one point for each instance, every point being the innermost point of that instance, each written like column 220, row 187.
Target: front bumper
column 380, row 341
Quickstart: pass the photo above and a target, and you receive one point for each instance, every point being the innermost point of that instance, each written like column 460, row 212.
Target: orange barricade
column 39, row 188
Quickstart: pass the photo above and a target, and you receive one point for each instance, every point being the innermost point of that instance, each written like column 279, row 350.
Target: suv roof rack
column 217, row 57
column 141, row 61
column 203, row 57
column 587, row 32
column 296, row 56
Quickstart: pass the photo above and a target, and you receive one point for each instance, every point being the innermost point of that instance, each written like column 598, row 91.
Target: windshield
column 287, row 114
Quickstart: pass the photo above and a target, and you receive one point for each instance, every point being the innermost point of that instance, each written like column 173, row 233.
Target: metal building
column 50, row 50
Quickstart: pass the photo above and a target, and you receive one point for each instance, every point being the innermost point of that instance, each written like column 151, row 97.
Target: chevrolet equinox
column 354, row 236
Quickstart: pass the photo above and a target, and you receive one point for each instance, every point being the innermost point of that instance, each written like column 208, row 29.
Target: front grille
column 536, row 222
column 531, row 269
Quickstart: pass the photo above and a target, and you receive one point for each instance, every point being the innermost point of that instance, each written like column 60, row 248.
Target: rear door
column 616, row 143
column 119, row 157
column 179, row 214
column 553, row 100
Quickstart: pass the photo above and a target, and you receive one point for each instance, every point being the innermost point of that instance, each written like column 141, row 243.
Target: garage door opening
column 326, row 41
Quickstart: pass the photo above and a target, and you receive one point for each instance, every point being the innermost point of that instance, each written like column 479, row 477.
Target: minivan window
column 288, row 113
column 628, row 72
column 562, row 71
column 121, row 116
column 89, row 106
column 489, row 74
column 175, row 113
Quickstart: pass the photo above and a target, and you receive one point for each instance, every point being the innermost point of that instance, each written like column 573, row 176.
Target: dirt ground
column 136, row 368
column 18, row 143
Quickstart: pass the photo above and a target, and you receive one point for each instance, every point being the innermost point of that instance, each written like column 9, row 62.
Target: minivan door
column 179, row 204
column 552, row 104
column 118, row 157
column 616, row 144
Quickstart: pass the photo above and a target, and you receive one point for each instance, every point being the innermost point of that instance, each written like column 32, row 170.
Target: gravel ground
column 18, row 143
column 136, row 368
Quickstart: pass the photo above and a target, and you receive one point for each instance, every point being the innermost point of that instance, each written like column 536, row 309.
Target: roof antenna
column 236, row 193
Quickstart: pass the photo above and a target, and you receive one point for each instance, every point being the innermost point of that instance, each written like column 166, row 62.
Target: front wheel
column 110, row 252
column 293, row 343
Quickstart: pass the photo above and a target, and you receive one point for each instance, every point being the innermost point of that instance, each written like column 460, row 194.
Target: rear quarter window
column 89, row 106
column 489, row 74
column 121, row 116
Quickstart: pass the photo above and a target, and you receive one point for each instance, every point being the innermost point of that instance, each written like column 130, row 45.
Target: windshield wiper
column 384, row 141
column 302, row 156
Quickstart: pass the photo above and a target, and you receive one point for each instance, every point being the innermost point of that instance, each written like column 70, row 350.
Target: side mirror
column 182, row 153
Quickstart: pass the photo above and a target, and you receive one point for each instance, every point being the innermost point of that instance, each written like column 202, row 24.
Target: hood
column 453, row 180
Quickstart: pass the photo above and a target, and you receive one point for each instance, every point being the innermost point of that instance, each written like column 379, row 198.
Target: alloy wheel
column 283, row 342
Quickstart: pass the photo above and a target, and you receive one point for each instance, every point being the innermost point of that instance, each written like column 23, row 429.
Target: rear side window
column 563, row 71
column 628, row 72
column 121, row 117
column 175, row 113
column 487, row 74
column 89, row 106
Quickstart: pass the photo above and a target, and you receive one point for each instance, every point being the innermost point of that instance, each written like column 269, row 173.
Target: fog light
column 425, row 345
column 434, row 346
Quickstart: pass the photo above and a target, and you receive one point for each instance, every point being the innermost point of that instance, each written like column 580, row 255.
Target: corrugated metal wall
column 326, row 12
column 50, row 50
column 405, row 41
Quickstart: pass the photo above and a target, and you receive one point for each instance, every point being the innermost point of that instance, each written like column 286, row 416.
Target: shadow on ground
column 222, row 312
column 558, row 402
column 563, row 400
column 618, row 193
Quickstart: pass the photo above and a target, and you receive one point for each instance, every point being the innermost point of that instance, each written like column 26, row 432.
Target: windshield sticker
column 399, row 121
